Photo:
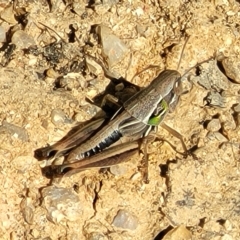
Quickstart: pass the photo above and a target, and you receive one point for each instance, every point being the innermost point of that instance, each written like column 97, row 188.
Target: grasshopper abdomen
column 112, row 138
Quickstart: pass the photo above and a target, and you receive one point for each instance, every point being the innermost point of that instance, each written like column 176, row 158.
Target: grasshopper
column 138, row 116
column 95, row 144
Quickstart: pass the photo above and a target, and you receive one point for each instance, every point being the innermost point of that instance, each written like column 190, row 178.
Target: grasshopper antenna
column 180, row 58
column 196, row 65
column 157, row 66
column 49, row 28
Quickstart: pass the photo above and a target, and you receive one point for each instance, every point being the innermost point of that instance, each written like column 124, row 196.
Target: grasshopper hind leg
column 180, row 137
column 175, row 134
column 45, row 152
column 56, row 171
column 146, row 140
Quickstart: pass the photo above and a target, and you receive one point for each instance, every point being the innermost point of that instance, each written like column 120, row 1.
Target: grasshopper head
column 169, row 97
column 166, row 82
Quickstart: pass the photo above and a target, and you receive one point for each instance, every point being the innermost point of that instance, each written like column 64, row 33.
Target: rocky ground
column 44, row 83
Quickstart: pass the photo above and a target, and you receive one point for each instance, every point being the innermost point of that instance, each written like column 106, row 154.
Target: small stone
column 238, row 119
column 230, row 124
column 14, row 130
column 36, row 233
column 59, row 117
column 110, row 2
column 212, row 78
column 231, row 13
column 215, row 99
column 92, row 93
column 178, row 233
column 226, row 237
column 125, row 220
column 22, row 163
column 217, row 136
column 136, row 176
column 203, row 81
column 22, row 40
column 45, row 123
column 51, row 73
column 32, row 61
column 78, row 117
column 237, row 108
column 231, row 66
column 78, row 7
column 228, row 225
column 118, row 170
column 2, row 34
column 141, row 29
column 96, row 236
column 8, row 15
column 113, row 48
column 89, row 109
column 93, row 67
column 27, row 210
column 214, row 125
column 61, row 203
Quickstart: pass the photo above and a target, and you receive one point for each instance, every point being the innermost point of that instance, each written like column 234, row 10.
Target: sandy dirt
column 43, row 91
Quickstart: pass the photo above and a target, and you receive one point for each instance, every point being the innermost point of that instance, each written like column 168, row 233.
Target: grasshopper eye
column 177, row 88
column 178, row 83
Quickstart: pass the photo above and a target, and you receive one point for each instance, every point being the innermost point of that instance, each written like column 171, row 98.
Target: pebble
column 22, row 40
column 27, row 210
column 59, row 117
column 231, row 66
column 78, row 7
column 114, row 49
column 96, row 236
column 214, row 125
column 118, row 170
column 22, row 163
column 218, row 136
column 180, row 232
column 212, row 77
column 51, row 73
column 2, row 34
column 125, row 220
column 110, row 2
column 228, row 225
column 14, row 130
column 136, row 176
column 61, row 203
column 215, row 99
column 8, row 15
column 237, row 108
column 93, row 67
column 141, row 30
